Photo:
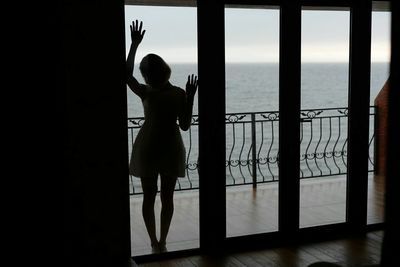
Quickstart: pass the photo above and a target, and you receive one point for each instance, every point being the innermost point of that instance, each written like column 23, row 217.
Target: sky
column 252, row 35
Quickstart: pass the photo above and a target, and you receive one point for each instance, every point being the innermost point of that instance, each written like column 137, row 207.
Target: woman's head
column 155, row 70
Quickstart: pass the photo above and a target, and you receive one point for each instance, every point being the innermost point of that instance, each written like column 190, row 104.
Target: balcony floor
column 322, row 201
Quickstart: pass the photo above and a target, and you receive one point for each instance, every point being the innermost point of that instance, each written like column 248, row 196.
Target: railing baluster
column 241, row 152
column 188, row 156
column 269, row 151
column 344, row 153
column 369, row 154
column 130, row 136
column 372, row 140
column 301, row 141
column 326, row 154
column 253, row 149
column 334, row 147
column 316, row 147
column 230, row 162
column 259, row 152
column 308, row 146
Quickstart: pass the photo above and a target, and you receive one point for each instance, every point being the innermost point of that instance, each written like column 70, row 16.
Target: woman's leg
column 149, row 186
column 167, row 209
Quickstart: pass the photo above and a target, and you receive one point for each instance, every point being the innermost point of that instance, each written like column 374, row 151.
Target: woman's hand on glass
column 136, row 32
column 191, row 86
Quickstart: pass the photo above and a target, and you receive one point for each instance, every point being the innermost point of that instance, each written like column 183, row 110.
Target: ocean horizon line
column 275, row 62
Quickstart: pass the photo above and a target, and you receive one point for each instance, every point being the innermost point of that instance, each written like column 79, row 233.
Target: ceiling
column 376, row 5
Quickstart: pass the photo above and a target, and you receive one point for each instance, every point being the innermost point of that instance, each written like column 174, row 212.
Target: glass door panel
column 380, row 66
column 252, row 119
column 178, row 47
column 323, row 129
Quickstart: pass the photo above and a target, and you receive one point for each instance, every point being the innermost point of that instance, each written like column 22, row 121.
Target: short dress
column 158, row 146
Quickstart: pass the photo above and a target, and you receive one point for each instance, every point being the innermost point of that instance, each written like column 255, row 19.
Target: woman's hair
column 154, row 70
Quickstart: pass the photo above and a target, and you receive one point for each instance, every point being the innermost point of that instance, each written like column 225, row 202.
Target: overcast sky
column 252, row 35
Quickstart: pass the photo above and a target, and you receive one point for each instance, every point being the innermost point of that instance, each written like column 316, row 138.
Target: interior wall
column 96, row 197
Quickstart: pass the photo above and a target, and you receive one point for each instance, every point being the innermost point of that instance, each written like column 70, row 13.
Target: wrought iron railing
column 252, row 146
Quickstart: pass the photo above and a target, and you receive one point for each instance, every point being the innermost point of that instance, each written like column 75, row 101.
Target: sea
column 254, row 87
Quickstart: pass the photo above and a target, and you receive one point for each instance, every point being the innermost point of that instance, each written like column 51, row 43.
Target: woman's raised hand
column 136, row 32
column 191, row 86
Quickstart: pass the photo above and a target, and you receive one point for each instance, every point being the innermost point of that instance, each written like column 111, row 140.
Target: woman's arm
column 136, row 37
column 185, row 120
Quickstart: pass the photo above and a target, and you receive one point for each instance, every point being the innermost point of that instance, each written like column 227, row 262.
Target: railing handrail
column 195, row 116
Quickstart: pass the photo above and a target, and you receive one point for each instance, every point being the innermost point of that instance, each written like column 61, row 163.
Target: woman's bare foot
column 162, row 246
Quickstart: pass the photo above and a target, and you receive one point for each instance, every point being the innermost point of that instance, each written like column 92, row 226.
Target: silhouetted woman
column 158, row 148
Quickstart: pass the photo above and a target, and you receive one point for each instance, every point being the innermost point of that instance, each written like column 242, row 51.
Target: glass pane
column 178, row 47
column 380, row 65
column 252, row 119
column 323, row 129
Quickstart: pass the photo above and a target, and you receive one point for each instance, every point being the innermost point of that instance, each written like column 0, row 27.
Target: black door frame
column 211, row 70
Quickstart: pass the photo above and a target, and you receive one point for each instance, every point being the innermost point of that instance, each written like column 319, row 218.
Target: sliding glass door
column 252, row 119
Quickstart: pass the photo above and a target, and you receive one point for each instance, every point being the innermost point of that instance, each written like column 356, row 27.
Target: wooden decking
column 322, row 201
column 350, row 252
